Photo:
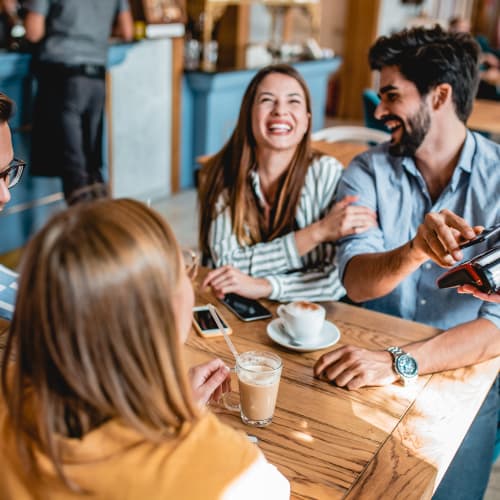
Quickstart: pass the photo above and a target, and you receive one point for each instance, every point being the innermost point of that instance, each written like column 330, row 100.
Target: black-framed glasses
column 13, row 172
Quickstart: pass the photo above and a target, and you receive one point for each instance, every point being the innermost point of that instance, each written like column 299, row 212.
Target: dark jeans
column 67, row 127
column 468, row 474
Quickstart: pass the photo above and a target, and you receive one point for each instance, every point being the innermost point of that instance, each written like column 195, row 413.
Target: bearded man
column 434, row 185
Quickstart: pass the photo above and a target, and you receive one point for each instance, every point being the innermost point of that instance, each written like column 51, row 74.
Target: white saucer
column 329, row 335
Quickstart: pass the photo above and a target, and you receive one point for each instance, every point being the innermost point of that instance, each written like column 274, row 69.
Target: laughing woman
column 268, row 221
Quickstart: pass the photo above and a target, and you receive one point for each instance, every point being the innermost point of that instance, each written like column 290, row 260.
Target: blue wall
column 211, row 103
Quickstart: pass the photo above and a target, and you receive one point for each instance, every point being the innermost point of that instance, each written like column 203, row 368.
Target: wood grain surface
column 485, row 116
column 343, row 151
column 379, row 442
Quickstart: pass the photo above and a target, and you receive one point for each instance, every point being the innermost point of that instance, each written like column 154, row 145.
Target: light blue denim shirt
column 395, row 189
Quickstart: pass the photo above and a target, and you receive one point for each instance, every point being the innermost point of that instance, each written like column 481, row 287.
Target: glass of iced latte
column 258, row 375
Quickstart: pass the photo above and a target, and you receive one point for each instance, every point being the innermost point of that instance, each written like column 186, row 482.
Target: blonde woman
column 268, row 221
column 97, row 400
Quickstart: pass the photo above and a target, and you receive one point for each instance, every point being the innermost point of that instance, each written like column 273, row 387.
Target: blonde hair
column 94, row 331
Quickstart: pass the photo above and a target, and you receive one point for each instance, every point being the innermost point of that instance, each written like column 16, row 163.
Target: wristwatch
column 405, row 365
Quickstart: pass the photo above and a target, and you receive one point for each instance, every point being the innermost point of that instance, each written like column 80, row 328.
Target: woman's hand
column 227, row 279
column 209, row 381
column 493, row 297
column 345, row 219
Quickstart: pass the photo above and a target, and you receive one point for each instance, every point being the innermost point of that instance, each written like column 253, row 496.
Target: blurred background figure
column 489, row 85
column 70, row 66
column 12, row 30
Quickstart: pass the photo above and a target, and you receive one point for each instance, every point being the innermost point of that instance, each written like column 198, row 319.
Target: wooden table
column 381, row 442
column 385, row 442
column 485, row 116
column 343, row 151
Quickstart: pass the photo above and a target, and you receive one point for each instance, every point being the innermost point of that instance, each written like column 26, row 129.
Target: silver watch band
column 396, row 353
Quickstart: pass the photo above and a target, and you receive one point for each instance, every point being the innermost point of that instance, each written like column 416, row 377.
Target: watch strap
column 396, row 353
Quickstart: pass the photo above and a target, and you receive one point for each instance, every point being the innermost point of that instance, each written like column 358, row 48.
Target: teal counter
column 34, row 198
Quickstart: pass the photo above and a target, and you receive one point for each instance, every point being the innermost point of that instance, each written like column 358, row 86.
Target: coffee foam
column 258, row 374
column 302, row 307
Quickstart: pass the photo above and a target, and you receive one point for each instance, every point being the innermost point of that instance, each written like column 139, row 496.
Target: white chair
column 351, row 134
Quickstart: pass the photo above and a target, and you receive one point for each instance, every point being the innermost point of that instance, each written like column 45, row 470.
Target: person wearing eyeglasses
column 11, row 170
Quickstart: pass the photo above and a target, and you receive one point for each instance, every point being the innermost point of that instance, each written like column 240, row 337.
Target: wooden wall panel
column 360, row 33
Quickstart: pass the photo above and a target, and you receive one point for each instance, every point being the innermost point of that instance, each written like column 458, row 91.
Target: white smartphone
column 205, row 325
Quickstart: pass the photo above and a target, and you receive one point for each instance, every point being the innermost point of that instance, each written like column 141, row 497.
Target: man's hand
column 440, row 235
column 354, row 367
column 209, row 381
column 493, row 297
column 227, row 279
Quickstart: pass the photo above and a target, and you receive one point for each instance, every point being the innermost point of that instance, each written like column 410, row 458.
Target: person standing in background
column 70, row 67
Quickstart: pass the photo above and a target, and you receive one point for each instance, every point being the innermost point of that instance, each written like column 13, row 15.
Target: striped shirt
column 313, row 276
column 8, row 289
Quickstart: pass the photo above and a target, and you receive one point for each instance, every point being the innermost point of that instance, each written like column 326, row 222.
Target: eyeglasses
column 13, row 172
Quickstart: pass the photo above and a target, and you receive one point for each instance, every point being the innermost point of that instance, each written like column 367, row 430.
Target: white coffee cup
column 303, row 320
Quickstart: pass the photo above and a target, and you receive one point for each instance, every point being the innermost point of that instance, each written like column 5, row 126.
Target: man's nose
column 4, row 193
column 380, row 111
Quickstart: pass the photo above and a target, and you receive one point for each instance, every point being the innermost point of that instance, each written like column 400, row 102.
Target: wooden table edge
column 420, row 473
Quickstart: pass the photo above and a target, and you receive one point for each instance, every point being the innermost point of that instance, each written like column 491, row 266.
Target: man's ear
column 441, row 95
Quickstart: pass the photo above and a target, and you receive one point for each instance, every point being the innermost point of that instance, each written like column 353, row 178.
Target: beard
column 413, row 133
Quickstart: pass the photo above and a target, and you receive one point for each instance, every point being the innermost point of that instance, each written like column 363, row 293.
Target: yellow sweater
column 114, row 462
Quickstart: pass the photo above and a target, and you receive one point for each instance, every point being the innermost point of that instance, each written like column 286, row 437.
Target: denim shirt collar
column 464, row 164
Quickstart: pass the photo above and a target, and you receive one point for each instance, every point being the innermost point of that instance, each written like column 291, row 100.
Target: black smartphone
column 485, row 235
column 245, row 309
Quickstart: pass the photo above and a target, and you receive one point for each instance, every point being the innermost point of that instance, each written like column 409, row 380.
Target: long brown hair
column 230, row 168
column 94, row 333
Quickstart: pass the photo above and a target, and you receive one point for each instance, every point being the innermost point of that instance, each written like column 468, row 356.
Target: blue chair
column 370, row 102
column 496, row 451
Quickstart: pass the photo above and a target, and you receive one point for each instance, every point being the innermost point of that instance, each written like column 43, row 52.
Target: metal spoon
column 284, row 331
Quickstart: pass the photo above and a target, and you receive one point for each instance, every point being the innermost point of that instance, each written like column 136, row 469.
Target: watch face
column 406, row 366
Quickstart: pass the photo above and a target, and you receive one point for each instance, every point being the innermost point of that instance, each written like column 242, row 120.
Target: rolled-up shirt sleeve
column 123, row 5
column 358, row 179
column 38, row 6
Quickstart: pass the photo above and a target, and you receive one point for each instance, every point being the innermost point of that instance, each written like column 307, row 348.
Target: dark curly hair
column 428, row 57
